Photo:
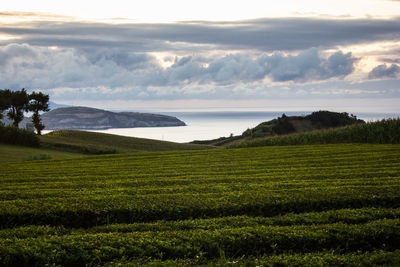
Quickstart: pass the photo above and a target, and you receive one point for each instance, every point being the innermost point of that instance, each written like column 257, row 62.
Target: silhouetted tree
column 5, row 96
column 38, row 102
column 18, row 104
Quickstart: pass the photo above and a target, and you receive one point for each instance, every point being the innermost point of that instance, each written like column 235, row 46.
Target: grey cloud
column 390, row 60
column 243, row 68
column 383, row 71
column 14, row 52
column 308, row 65
column 261, row 34
column 233, row 68
column 45, row 68
column 123, row 58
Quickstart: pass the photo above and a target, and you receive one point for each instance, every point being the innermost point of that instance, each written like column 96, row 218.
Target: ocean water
column 211, row 125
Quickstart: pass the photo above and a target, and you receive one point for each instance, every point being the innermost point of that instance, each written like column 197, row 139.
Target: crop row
column 316, row 259
column 94, row 210
column 233, row 242
column 346, row 216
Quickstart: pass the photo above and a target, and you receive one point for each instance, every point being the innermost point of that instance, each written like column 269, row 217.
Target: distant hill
column 288, row 125
column 93, row 119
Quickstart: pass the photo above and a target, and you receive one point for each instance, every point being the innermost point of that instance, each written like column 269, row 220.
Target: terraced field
column 292, row 205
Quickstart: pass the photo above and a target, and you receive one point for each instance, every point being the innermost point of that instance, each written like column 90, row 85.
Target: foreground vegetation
column 294, row 205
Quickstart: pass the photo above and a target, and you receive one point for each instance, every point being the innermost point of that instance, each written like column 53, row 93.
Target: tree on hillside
column 38, row 102
column 18, row 104
column 5, row 96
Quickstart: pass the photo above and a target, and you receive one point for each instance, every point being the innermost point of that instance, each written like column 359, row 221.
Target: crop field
column 316, row 205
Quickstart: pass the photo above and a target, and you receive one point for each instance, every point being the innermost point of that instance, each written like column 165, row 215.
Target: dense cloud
column 383, row 71
column 274, row 56
column 37, row 67
column 283, row 34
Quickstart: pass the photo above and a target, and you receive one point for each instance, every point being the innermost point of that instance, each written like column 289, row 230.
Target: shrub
column 15, row 136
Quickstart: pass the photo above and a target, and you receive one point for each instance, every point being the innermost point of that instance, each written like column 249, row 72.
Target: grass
column 10, row 153
column 100, row 143
column 293, row 205
column 70, row 143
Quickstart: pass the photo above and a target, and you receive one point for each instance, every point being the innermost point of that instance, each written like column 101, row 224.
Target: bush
column 15, row 136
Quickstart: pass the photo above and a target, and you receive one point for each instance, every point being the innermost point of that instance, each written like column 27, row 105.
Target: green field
column 10, row 153
column 72, row 143
column 100, row 143
column 292, row 205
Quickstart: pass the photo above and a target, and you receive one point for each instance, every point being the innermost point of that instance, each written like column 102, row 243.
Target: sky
column 205, row 54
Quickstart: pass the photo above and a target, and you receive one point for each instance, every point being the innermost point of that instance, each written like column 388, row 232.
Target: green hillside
column 315, row 205
column 378, row 132
column 289, row 125
column 100, row 143
column 72, row 143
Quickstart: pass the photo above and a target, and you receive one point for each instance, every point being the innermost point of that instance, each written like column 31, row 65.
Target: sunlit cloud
column 120, row 59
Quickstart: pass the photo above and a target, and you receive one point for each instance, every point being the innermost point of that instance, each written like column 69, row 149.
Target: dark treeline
column 15, row 103
column 18, row 102
column 16, row 136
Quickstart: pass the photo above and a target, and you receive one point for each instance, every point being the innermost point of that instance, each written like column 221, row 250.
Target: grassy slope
column 100, row 143
column 386, row 131
column 69, row 143
column 288, row 125
column 10, row 153
column 339, row 203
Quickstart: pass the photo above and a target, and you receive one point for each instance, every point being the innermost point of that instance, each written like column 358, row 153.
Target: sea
column 206, row 125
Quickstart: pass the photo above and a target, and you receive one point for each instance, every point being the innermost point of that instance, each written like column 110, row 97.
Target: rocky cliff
column 93, row 119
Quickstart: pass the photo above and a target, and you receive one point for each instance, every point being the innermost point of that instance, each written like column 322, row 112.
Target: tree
column 5, row 96
column 38, row 102
column 18, row 103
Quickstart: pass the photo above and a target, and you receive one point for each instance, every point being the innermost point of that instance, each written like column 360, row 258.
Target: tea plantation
column 316, row 205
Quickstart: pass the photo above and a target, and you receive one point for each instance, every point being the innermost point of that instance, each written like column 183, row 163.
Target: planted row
column 346, row 216
column 317, row 259
column 81, row 249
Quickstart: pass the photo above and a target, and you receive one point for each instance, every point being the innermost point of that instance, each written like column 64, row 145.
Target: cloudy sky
column 195, row 54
